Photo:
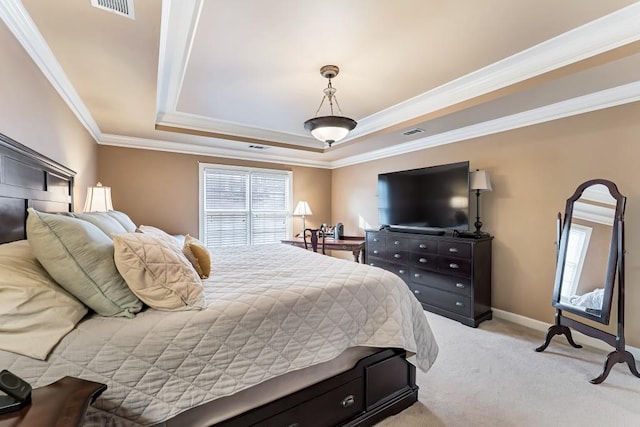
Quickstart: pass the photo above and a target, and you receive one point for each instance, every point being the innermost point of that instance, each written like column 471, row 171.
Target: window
column 243, row 206
column 577, row 245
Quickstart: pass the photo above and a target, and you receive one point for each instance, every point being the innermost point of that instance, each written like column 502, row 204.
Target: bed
column 286, row 335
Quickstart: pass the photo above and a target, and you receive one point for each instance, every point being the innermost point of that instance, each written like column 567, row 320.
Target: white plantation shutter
column 244, row 206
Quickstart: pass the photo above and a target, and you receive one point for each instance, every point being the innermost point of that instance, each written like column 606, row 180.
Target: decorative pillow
column 157, row 272
column 198, row 254
column 155, row 231
column 103, row 221
column 123, row 219
column 35, row 313
column 80, row 258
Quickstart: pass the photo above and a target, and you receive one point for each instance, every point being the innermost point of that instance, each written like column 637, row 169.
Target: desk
column 347, row 243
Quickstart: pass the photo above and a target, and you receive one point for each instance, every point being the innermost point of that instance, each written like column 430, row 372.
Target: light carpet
column 491, row 376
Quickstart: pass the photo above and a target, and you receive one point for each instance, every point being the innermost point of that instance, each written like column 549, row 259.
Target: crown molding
column 606, row 33
column 601, row 35
column 184, row 148
column 19, row 22
column 594, row 213
column 195, row 122
column 619, row 95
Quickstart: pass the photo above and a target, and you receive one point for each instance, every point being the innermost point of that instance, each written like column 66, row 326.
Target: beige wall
column 32, row 113
column 161, row 189
column 533, row 171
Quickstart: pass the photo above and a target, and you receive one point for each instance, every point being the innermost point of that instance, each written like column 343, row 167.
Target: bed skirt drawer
column 330, row 409
column 386, row 379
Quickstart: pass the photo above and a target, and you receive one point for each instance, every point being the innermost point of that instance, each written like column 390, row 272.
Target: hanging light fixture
column 329, row 129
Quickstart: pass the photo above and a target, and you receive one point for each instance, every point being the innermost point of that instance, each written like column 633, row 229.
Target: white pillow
column 158, row 272
column 35, row 313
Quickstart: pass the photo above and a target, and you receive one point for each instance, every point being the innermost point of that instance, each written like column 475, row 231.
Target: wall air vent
column 121, row 7
column 412, row 131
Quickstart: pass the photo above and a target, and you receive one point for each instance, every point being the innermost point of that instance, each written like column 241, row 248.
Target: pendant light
column 329, row 129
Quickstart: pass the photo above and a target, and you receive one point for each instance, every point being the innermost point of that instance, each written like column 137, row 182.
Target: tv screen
column 434, row 198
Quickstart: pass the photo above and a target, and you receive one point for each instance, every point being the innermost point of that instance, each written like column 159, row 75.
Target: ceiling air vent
column 258, row 147
column 121, row 7
column 412, row 131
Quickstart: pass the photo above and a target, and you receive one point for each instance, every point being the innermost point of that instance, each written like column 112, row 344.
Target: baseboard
column 579, row 337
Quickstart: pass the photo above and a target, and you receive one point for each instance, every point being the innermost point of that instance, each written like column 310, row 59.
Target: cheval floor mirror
column 590, row 253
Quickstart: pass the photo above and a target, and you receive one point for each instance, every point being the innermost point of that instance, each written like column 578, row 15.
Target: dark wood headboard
column 29, row 179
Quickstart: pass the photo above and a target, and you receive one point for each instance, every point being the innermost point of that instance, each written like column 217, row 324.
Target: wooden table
column 61, row 404
column 347, row 243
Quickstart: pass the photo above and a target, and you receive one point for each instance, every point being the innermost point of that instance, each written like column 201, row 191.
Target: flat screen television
column 430, row 200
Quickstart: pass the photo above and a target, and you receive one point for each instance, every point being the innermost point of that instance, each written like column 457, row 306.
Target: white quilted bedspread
column 270, row 310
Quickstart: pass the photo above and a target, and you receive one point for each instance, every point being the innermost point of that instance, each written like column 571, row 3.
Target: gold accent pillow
column 198, row 254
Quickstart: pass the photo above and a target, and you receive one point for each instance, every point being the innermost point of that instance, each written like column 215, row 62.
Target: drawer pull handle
column 397, row 242
column 372, row 264
column 375, row 251
column 294, row 425
column 453, row 250
column 423, row 246
column 397, row 256
column 375, row 240
column 417, row 275
column 423, row 260
column 417, row 292
column 460, row 285
column 459, row 304
column 348, row 401
column 454, row 265
column 401, row 271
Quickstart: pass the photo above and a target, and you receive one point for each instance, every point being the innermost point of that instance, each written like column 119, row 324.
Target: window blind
column 245, row 206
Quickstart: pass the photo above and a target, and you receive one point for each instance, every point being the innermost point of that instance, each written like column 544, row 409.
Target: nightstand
column 61, row 404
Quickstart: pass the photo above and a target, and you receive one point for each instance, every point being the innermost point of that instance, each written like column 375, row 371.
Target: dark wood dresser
column 450, row 276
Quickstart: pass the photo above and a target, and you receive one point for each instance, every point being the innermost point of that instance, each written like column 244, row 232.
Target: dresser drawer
column 424, row 260
column 445, row 300
column 423, row 246
column 375, row 239
column 458, row 266
column 330, row 409
column 457, row 249
column 397, row 243
column 458, row 285
column 398, row 269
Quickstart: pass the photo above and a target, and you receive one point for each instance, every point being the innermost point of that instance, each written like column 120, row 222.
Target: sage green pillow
column 123, row 219
column 80, row 258
column 106, row 223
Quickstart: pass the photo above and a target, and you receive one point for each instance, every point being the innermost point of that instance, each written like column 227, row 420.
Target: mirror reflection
column 587, row 253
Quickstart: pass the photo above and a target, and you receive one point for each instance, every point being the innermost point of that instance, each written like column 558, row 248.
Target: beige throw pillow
column 198, row 254
column 157, row 272
column 35, row 312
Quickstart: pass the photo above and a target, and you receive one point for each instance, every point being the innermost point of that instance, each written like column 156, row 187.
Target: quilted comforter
column 270, row 309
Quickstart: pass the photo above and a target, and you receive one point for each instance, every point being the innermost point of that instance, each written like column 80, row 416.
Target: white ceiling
column 219, row 76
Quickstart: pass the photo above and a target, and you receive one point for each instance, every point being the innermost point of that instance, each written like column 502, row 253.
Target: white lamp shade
column 330, row 133
column 302, row 208
column 98, row 199
column 480, row 180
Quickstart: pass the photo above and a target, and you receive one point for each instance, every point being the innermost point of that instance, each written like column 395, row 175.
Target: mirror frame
column 612, row 262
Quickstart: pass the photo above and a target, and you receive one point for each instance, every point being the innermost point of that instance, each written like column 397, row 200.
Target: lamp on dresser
column 480, row 181
column 302, row 209
column 98, row 199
